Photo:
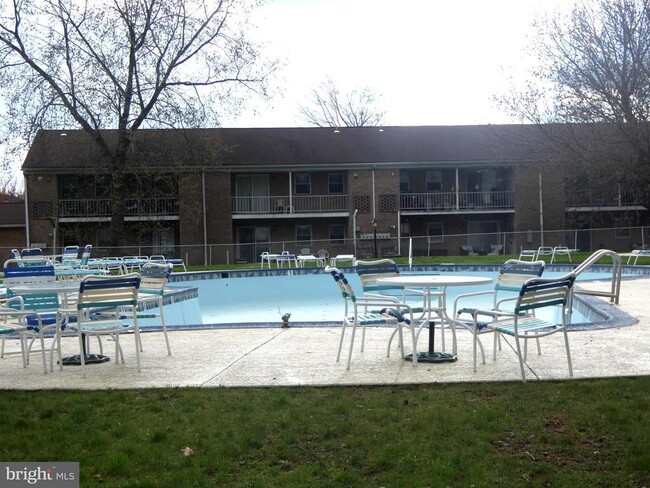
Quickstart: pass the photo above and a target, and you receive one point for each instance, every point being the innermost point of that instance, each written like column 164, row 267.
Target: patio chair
column 35, row 312
column 523, row 321
column 390, row 313
column 12, row 322
column 495, row 249
column 512, row 275
column 110, row 295
column 468, row 250
column 154, row 279
column 370, row 271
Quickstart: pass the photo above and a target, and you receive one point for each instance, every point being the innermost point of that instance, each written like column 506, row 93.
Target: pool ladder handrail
column 617, row 270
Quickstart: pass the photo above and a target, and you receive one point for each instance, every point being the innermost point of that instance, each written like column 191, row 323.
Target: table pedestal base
column 89, row 359
column 433, row 357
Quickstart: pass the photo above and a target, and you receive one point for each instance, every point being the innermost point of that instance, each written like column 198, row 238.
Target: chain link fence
column 621, row 239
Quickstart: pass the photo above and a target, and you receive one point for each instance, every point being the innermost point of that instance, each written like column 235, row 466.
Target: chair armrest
column 473, row 294
column 365, row 302
column 379, row 296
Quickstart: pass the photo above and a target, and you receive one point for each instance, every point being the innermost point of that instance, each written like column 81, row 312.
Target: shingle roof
column 205, row 148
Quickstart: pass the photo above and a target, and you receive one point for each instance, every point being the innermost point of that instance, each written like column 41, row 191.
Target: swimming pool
column 259, row 299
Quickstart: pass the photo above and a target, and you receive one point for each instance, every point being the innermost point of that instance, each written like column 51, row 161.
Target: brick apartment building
column 217, row 194
column 12, row 221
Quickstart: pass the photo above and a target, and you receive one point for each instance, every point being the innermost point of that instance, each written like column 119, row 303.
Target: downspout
column 374, row 207
column 290, row 194
column 26, row 214
column 354, row 231
column 205, row 221
column 541, row 210
column 399, row 232
column 457, row 191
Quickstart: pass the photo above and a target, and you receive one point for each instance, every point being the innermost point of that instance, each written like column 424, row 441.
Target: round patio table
column 439, row 282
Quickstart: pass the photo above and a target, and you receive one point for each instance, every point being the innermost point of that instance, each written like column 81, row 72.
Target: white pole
column 205, row 221
column 642, row 238
column 399, row 233
column 354, row 232
column 541, row 210
column 410, row 253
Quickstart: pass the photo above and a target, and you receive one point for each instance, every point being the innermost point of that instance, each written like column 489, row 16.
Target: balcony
column 454, row 201
column 301, row 204
column 85, row 208
column 592, row 199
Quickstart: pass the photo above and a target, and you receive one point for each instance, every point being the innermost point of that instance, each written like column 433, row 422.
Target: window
column 303, row 234
column 102, row 186
column 302, row 182
column 68, row 187
column 404, row 182
column 336, row 183
column 622, row 228
column 435, row 232
column 406, row 229
column 337, row 234
column 434, row 180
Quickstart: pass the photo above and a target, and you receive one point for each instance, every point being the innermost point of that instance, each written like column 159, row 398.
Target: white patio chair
column 370, row 271
column 36, row 310
column 154, row 279
column 523, row 323
column 512, row 275
column 354, row 315
column 110, row 295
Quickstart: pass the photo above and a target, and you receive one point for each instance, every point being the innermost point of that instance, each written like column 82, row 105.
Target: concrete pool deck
column 306, row 357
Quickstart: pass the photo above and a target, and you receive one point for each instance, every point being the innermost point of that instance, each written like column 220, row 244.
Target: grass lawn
column 552, row 434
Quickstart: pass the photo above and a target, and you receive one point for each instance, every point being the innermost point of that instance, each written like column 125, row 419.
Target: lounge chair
column 175, row 262
column 636, row 254
column 528, row 253
column 70, row 256
column 544, row 251
column 391, row 313
column 561, row 251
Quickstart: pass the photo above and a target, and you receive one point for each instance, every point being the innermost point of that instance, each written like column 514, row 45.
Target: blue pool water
column 311, row 299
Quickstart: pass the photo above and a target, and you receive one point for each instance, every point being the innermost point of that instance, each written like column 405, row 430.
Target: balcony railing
column 590, row 198
column 457, row 200
column 295, row 204
column 104, row 207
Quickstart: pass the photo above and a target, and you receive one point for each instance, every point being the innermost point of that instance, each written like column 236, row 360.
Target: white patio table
column 438, row 282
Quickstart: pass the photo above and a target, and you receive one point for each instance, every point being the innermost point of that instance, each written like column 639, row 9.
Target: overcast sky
column 434, row 62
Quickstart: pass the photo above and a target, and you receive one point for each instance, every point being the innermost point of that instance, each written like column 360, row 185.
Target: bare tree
column 125, row 65
column 594, row 67
column 328, row 107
